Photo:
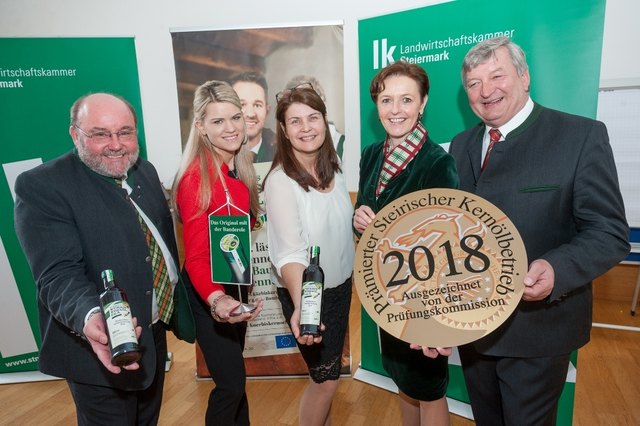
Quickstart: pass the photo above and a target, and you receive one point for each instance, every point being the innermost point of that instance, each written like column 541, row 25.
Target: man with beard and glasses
column 95, row 208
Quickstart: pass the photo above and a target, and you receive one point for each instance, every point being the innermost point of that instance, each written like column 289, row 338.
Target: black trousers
column 222, row 345
column 100, row 405
column 513, row 391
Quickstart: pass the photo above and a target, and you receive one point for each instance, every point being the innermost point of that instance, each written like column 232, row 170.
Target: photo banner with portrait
column 282, row 57
column 40, row 78
column 564, row 64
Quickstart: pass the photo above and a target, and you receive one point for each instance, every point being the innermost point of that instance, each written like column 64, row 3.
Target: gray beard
column 97, row 164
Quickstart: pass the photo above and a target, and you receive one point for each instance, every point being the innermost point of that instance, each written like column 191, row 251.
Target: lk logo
column 381, row 51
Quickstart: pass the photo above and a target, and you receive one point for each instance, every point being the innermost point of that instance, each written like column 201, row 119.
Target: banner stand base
column 25, row 376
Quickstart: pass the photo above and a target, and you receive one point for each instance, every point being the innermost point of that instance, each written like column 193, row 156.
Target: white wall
column 150, row 22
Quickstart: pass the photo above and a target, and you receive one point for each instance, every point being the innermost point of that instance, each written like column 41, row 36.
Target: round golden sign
column 440, row 267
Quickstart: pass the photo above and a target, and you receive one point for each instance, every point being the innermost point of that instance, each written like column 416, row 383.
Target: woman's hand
column 362, row 217
column 223, row 305
column 246, row 316
column 295, row 328
column 431, row 352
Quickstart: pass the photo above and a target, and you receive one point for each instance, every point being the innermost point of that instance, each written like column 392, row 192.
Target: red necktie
column 494, row 135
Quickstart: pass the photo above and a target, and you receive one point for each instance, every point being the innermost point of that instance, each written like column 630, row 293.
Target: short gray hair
column 483, row 51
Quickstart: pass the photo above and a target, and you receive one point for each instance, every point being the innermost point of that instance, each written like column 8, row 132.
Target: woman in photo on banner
column 308, row 204
column 407, row 160
column 216, row 171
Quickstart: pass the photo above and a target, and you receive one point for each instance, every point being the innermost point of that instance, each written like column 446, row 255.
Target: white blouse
column 296, row 220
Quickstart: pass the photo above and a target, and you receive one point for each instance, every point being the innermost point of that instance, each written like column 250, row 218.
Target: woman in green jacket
column 407, row 160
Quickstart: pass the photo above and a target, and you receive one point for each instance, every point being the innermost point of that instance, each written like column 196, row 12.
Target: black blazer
column 73, row 223
column 555, row 178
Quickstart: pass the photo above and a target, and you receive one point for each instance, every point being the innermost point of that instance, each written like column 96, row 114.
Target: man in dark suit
column 74, row 220
column 253, row 92
column 554, row 176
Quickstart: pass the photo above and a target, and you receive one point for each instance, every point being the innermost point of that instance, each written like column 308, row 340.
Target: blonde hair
column 198, row 148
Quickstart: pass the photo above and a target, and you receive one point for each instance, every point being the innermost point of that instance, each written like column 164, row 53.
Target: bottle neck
column 314, row 255
column 107, row 279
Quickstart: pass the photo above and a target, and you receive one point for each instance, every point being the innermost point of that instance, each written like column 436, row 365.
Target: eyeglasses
column 104, row 136
column 289, row 92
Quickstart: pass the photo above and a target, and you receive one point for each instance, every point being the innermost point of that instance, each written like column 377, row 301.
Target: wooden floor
column 607, row 390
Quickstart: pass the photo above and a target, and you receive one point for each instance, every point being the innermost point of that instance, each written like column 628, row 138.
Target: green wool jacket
column 432, row 167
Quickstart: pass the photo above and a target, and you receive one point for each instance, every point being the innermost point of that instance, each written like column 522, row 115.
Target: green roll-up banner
column 563, row 43
column 39, row 80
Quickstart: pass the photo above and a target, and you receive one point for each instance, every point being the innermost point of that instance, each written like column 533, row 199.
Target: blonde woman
column 216, row 170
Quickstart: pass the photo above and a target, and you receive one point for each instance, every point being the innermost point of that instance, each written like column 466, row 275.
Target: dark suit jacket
column 267, row 149
column 555, row 178
column 73, row 223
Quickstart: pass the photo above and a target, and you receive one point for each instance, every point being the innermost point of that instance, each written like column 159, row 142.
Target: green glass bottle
column 312, row 294
column 117, row 316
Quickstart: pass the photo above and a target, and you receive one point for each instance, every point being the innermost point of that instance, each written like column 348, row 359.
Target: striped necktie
column 494, row 136
column 161, row 282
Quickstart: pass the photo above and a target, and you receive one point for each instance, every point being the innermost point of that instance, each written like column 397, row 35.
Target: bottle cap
column 107, row 275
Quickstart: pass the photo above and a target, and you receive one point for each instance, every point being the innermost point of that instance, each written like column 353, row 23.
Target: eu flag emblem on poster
column 285, row 341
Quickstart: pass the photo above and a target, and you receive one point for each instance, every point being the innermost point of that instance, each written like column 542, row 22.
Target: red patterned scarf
column 396, row 158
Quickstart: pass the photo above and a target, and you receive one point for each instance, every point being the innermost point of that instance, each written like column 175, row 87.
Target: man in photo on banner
column 101, row 207
column 253, row 92
column 553, row 174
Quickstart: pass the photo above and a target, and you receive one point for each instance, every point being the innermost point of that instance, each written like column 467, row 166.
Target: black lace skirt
column 324, row 359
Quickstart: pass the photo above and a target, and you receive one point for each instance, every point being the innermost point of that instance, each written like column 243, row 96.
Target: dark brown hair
column 251, row 77
column 327, row 163
column 400, row 68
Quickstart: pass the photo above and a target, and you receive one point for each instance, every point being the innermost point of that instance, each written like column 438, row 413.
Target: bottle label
column 119, row 323
column 311, row 303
